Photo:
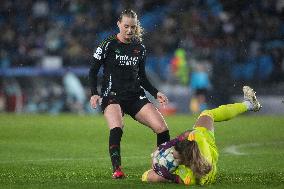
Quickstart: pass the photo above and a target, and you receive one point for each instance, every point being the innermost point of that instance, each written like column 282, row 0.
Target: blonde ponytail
column 192, row 158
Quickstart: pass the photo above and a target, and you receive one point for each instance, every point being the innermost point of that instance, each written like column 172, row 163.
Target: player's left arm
column 145, row 83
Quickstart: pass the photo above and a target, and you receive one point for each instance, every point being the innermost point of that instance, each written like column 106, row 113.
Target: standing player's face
column 127, row 27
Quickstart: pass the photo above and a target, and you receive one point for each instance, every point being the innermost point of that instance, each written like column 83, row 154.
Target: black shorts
column 130, row 106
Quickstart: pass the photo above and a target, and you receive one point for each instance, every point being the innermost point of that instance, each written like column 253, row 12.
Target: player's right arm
column 98, row 59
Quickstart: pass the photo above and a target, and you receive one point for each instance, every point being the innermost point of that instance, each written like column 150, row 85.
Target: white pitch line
column 235, row 149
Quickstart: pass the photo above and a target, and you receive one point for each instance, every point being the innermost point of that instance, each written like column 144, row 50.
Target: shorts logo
column 98, row 53
column 99, row 50
column 142, row 97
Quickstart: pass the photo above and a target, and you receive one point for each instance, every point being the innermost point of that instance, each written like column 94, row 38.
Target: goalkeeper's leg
column 229, row 111
column 152, row 176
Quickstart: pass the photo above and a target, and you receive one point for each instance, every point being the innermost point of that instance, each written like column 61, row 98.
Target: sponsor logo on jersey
column 98, row 53
column 125, row 60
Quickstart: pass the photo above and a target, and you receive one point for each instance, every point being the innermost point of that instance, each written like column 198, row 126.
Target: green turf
column 71, row 151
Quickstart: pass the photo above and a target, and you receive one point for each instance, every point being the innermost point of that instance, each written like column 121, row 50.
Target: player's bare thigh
column 151, row 117
column 205, row 121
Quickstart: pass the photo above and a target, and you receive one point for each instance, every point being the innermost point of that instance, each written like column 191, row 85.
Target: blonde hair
column 192, row 158
column 139, row 29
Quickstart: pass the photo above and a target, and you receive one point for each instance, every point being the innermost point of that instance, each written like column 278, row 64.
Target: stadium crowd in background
column 240, row 40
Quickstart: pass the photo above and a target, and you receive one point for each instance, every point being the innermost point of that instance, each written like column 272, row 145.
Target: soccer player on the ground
column 195, row 152
column 122, row 57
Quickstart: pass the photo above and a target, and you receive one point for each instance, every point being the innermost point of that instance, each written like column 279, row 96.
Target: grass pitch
column 71, row 151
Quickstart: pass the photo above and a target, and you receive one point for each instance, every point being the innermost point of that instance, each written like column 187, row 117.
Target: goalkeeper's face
column 176, row 155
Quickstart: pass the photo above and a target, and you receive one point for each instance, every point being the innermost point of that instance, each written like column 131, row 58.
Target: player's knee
column 207, row 113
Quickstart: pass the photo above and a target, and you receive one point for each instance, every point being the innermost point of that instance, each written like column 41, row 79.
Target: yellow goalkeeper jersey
column 206, row 143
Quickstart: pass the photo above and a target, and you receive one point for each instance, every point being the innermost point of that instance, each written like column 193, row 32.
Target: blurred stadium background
column 200, row 52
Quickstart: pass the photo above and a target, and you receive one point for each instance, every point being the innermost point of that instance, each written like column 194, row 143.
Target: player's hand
column 94, row 100
column 162, row 99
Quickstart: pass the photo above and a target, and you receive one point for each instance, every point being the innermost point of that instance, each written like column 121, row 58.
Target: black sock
column 115, row 135
column 163, row 137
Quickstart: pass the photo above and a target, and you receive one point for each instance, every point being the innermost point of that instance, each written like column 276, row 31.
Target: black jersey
column 123, row 69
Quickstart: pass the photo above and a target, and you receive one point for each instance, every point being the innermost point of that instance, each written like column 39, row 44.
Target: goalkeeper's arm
column 174, row 141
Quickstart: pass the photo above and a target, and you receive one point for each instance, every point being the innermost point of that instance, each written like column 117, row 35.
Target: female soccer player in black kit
column 122, row 57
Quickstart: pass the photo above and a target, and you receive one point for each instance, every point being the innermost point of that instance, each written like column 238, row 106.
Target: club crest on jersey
column 136, row 51
column 125, row 60
column 98, row 53
column 117, row 51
